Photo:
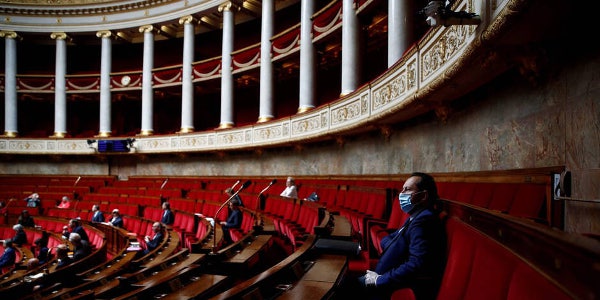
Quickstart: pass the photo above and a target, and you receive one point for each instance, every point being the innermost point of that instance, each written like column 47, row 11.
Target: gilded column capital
column 104, row 34
column 59, row 36
column 186, row 19
column 147, row 28
column 229, row 6
column 8, row 34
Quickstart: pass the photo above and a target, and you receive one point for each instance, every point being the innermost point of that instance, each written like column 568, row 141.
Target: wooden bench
column 265, row 283
column 320, row 280
column 126, row 282
column 62, row 276
column 182, row 283
column 98, row 276
column 242, row 257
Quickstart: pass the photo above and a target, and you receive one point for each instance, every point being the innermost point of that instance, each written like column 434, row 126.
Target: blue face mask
column 405, row 202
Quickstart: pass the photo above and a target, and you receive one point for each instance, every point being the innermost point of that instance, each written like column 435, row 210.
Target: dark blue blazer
column 415, row 256
column 8, row 258
column 64, row 262
column 82, row 251
column 20, row 238
column 168, row 218
column 43, row 255
column 117, row 222
column 234, row 220
column 98, row 217
column 154, row 242
column 81, row 232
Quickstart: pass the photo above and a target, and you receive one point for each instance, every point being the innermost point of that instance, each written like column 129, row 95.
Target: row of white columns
column 400, row 36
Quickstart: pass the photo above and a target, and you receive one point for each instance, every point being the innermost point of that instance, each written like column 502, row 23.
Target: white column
column 147, row 92
column 350, row 57
column 307, row 58
column 227, row 86
column 401, row 28
column 60, row 84
column 105, row 97
column 187, row 87
column 10, row 83
column 266, row 65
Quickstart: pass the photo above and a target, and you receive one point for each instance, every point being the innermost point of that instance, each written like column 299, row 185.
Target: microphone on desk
column 235, row 184
column 75, row 195
column 162, row 199
column 245, row 185
column 164, row 183
column 259, row 221
column 268, row 186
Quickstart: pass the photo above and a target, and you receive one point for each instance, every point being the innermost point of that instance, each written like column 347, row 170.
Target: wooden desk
column 199, row 286
column 260, row 242
column 341, row 227
column 319, row 280
column 187, row 281
column 270, row 277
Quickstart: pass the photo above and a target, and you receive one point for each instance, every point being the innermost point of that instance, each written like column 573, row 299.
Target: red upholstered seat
column 529, row 201
column 503, row 196
column 465, row 191
column 483, row 194
column 478, row 267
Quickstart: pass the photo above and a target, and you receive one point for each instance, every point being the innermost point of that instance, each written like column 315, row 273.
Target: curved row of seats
column 508, row 282
column 55, row 277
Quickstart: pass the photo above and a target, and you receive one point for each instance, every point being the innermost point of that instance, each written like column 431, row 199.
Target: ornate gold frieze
column 231, row 138
column 346, row 113
column 268, row 133
column 74, row 7
column 307, row 125
column 394, row 88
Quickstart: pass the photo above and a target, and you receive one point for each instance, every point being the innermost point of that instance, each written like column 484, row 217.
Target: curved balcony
column 438, row 69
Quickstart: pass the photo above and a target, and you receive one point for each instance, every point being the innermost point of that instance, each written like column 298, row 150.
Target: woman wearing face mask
column 414, row 255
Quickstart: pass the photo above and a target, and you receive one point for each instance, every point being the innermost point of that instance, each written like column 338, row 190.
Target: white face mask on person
column 406, row 201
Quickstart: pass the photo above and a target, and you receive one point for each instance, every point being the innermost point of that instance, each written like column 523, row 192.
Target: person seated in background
column 234, row 220
column 414, row 255
column 314, row 197
column 26, row 219
column 33, row 263
column 98, row 216
column 229, row 192
column 3, row 208
column 168, row 218
column 62, row 256
column 64, row 203
column 290, row 190
column 41, row 248
column 82, row 247
column 116, row 219
column 20, row 237
column 154, row 241
column 76, row 227
column 33, row 200
column 7, row 260
column 65, row 232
